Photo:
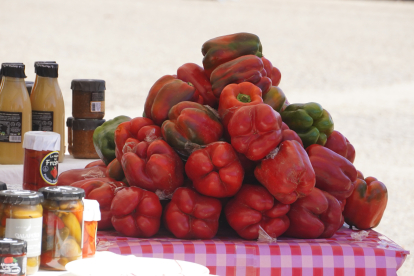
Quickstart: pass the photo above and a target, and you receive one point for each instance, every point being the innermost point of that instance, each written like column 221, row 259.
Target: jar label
column 97, row 102
column 42, row 120
column 49, row 168
column 11, row 127
column 13, row 265
column 29, row 230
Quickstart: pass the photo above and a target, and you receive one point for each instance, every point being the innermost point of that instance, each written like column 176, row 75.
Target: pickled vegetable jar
column 62, row 226
column 13, row 258
column 91, row 216
column 21, row 218
column 40, row 168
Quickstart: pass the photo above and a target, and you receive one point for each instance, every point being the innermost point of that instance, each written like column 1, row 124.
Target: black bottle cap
column 49, row 70
column 62, row 193
column 14, row 70
column 29, row 86
column 69, row 121
column 88, row 85
column 86, row 124
column 20, row 197
column 40, row 62
column 12, row 246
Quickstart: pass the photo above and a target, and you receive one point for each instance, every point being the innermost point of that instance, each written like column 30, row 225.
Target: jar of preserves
column 62, row 226
column 21, row 218
column 40, row 168
column 81, row 136
column 91, row 216
column 88, row 99
column 13, row 258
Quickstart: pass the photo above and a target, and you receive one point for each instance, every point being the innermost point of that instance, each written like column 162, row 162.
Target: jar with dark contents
column 13, row 258
column 81, row 136
column 40, row 168
column 21, row 217
column 62, row 226
column 88, row 99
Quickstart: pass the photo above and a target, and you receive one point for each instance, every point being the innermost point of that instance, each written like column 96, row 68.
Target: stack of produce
column 223, row 139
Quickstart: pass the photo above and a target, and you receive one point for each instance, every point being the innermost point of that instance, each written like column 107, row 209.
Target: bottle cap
column 91, row 210
column 12, row 246
column 49, row 70
column 86, row 124
column 62, row 193
column 39, row 62
column 20, row 197
column 14, row 70
column 41, row 140
column 88, row 85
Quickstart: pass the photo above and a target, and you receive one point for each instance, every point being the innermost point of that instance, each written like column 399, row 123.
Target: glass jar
column 13, row 258
column 40, row 168
column 88, row 99
column 81, row 136
column 21, row 218
column 62, row 226
column 91, row 216
column 69, row 124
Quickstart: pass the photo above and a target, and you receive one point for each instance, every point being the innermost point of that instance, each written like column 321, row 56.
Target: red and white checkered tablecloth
column 343, row 254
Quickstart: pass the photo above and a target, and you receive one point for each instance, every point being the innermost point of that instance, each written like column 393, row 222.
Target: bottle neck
column 45, row 83
column 11, row 83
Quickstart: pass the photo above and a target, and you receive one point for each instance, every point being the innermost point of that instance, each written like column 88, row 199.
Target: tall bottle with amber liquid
column 15, row 113
column 48, row 108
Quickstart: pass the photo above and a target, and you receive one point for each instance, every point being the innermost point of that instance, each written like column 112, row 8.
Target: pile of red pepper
column 222, row 139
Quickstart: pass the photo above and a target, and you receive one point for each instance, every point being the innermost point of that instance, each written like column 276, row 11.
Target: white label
column 15, row 139
column 29, row 230
column 95, row 106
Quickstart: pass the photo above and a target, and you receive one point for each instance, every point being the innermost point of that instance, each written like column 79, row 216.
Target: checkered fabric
column 343, row 254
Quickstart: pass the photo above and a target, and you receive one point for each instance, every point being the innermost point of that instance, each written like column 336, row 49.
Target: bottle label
column 97, row 102
column 42, row 120
column 49, row 168
column 13, row 265
column 11, row 127
column 29, row 230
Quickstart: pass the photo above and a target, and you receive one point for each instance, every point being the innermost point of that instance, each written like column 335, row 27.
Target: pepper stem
column 244, row 98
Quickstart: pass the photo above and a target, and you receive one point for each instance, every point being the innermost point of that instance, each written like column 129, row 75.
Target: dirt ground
column 353, row 57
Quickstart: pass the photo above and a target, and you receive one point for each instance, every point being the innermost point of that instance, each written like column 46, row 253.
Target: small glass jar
column 41, row 156
column 62, row 226
column 21, row 217
column 81, row 136
column 88, row 99
column 91, row 216
column 13, row 258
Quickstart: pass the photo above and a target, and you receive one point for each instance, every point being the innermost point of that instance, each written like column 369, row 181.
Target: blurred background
column 355, row 58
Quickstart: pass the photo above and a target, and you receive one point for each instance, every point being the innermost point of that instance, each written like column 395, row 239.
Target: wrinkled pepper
column 103, row 138
column 254, row 206
column 191, row 215
column 334, row 173
column 339, row 144
column 243, row 69
column 136, row 212
column 215, row 170
column 311, row 122
column 68, row 177
column 255, row 130
column 114, row 170
column 191, row 123
column 97, row 163
column 222, row 49
column 272, row 72
column 287, row 173
column 275, row 98
column 366, row 205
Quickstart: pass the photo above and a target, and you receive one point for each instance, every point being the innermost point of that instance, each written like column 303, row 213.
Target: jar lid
column 39, row 62
column 29, row 86
column 69, row 121
column 86, row 124
column 88, row 85
column 41, row 140
column 62, row 192
column 3, row 186
column 49, row 70
column 13, row 246
column 91, row 210
column 14, row 70
column 21, row 197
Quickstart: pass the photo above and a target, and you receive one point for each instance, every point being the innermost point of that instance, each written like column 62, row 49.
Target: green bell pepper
column 103, row 138
column 310, row 121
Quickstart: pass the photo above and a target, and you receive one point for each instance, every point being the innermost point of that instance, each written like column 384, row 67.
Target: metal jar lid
column 88, row 85
column 20, row 197
column 62, row 193
column 13, row 246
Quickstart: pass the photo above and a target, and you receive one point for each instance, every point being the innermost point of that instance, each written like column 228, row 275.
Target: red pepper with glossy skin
column 339, row 144
column 243, row 69
column 215, row 170
column 365, row 207
column 191, row 215
column 97, row 163
column 114, row 170
column 254, row 206
column 194, row 74
column 255, row 130
column 289, row 174
column 272, row 72
column 334, row 173
column 153, row 166
column 318, row 215
column 136, row 212
column 68, row 177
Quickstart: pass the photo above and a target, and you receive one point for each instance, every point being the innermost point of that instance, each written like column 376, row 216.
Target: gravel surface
column 353, row 57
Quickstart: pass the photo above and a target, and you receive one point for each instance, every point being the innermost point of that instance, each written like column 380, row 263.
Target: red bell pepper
column 136, row 212
column 191, row 215
column 255, row 130
column 103, row 191
column 275, row 98
column 334, row 173
column 318, row 215
column 339, row 144
column 194, row 74
column 52, row 223
column 215, row 170
column 153, row 166
column 272, row 72
column 254, row 206
column 288, row 175
column 114, row 170
column 96, row 163
column 68, row 177
column 365, row 207
column 248, row 68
